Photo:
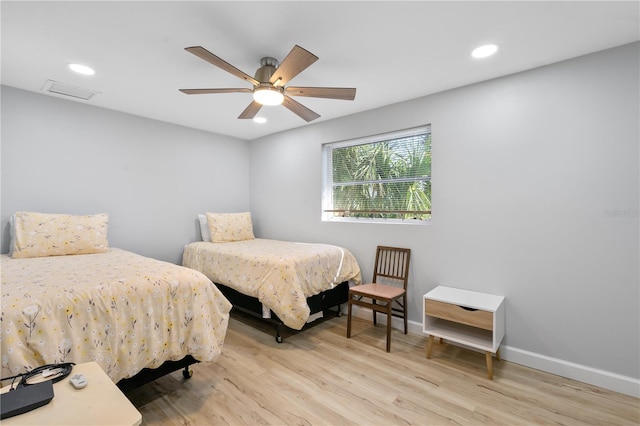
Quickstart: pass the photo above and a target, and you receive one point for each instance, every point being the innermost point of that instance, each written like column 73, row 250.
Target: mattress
column 280, row 274
column 124, row 311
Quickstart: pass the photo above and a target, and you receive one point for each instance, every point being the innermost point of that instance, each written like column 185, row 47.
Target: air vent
column 63, row 89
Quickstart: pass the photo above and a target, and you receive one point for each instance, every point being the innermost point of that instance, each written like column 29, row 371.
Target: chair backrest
column 392, row 266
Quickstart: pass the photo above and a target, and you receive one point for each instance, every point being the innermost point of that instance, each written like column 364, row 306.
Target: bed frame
column 147, row 375
column 322, row 302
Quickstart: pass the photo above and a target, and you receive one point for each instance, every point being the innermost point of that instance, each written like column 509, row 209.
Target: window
column 382, row 178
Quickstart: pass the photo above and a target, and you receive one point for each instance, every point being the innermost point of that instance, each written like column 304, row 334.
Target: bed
column 287, row 283
column 137, row 317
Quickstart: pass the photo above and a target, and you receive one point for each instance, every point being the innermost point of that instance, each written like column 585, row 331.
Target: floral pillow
column 42, row 234
column 228, row 227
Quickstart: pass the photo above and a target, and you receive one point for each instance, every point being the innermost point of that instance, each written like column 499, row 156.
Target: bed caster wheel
column 187, row 373
column 279, row 338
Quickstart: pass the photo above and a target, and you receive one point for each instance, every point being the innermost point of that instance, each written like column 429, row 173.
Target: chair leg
column 375, row 317
column 349, row 318
column 389, row 328
column 404, row 308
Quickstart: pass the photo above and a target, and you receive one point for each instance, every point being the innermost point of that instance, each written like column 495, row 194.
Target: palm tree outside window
column 382, row 178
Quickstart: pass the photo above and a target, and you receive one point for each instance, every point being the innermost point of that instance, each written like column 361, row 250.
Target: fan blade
column 343, row 93
column 250, row 111
column 203, row 53
column 296, row 61
column 299, row 109
column 205, row 91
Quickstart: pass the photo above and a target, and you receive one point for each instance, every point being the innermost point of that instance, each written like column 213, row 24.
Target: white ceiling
column 390, row 51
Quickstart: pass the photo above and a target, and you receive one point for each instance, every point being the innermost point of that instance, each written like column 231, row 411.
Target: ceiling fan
column 270, row 80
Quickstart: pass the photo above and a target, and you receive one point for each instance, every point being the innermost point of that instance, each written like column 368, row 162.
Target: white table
column 99, row 403
column 467, row 317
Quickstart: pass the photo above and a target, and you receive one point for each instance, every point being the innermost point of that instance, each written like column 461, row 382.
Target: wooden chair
column 388, row 291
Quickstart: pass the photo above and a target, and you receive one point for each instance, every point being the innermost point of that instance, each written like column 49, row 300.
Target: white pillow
column 204, row 227
column 12, row 233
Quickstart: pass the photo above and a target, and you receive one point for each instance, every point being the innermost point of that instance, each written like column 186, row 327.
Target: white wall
column 528, row 173
column 153, row 178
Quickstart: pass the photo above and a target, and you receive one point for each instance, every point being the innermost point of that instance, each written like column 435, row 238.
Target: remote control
column 78, row 381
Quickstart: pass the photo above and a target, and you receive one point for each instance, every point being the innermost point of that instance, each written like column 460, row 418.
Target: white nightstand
column 467, row 317
column 100, row 403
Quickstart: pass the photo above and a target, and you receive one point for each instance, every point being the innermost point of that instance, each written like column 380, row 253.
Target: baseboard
column 601, row 378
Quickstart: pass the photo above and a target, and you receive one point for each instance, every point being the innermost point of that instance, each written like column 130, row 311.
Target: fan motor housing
column 266, row 70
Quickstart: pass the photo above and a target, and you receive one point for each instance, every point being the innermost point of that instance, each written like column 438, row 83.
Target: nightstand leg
column 429, row 346
column 498, row 355
column 489, row 365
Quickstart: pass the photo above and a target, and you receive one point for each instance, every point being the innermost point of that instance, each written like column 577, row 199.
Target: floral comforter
column 124, row 311
column 280, row 274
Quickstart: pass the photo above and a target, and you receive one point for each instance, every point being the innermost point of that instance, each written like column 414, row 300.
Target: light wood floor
column 319, row 377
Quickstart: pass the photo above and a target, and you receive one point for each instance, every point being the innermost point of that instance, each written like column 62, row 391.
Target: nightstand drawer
column 451, row 312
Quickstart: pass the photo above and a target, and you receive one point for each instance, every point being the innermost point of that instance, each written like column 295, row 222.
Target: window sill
column 379, row 221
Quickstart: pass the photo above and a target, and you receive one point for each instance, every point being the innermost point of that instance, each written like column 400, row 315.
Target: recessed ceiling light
column 484, row 51
column 81, row 69
column 260, row 120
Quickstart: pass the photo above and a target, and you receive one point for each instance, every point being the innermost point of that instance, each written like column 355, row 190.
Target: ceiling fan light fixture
column 267, row 95
column 269, row 83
